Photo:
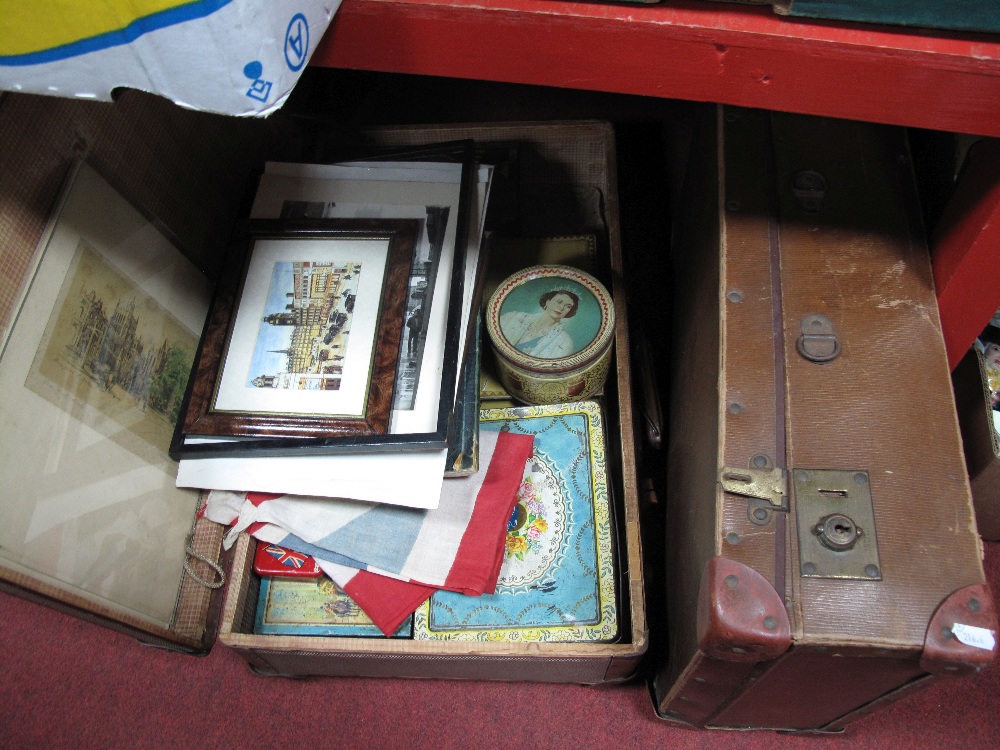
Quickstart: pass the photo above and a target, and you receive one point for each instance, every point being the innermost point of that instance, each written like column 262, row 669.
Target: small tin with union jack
column 272, row 560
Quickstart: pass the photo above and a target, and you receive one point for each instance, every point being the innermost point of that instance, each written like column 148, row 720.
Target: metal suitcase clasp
column 766, row 489
column 836, row 524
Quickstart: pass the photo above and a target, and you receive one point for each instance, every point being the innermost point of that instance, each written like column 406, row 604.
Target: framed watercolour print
column 304, row 332
column 438, row 188
column 93, row 368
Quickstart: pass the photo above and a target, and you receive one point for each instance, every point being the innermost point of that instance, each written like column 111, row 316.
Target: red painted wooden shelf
column 717, row 52
column 683, row 49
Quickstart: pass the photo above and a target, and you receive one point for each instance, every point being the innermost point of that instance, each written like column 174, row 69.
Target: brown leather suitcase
column 822, row 553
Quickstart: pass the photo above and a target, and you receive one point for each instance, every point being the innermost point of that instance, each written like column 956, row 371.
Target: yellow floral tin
column 551, row 329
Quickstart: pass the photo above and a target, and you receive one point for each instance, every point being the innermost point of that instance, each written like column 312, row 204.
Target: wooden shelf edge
column 688, row 50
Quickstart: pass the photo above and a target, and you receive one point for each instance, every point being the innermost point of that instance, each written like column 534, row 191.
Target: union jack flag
column 286, row 557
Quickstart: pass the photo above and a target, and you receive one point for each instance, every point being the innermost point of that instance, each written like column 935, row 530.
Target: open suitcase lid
column 109, row 316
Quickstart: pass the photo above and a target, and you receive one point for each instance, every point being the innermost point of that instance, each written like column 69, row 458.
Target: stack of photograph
column 335, row 400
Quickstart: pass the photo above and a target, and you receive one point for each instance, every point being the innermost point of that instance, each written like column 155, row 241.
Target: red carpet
column 70, row 684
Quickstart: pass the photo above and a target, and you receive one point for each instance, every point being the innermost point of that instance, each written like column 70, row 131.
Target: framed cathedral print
column 304, row 332
column 93, row 366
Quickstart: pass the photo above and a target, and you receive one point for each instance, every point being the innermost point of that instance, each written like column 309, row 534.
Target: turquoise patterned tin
column 558, row 578
column 551, row 329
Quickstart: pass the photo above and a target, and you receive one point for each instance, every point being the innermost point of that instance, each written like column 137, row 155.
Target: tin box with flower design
column 551, row 329
column 558, row 578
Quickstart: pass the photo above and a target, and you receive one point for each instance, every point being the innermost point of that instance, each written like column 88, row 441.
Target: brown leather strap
column 778, row 338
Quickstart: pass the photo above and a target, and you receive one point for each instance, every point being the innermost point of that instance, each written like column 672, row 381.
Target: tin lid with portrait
column 550, row 318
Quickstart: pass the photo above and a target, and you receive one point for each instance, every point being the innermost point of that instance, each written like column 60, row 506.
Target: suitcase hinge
column 761, row 484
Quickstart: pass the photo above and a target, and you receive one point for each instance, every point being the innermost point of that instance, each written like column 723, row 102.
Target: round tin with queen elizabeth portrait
column 551, row 329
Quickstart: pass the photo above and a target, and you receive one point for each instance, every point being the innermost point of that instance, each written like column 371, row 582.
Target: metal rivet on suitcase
column 759, row 511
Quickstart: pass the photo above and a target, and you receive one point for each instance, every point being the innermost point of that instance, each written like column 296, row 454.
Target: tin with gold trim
column 551, row 329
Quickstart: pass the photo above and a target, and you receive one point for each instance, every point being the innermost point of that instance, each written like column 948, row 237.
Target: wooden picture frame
column 304, row 332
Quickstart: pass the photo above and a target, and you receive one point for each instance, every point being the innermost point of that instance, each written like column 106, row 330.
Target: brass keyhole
column 838, row 531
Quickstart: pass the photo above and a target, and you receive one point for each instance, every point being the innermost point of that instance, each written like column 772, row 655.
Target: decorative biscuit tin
column 558, row 579
column 551, row 330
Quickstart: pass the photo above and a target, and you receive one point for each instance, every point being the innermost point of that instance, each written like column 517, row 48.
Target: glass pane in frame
column 93, row 368
column 303, row 336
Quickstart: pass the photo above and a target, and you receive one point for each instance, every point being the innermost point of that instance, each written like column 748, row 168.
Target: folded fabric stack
column 389, row 559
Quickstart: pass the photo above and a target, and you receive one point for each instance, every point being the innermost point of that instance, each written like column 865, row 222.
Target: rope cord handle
column 220, row 575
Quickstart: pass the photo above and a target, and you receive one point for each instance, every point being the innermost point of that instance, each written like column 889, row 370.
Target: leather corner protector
column 740, row 615
column 961, row 636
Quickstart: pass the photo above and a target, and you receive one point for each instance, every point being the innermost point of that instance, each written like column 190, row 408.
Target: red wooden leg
column 966, row 251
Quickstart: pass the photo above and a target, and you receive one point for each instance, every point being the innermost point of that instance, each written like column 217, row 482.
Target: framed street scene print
column 439, row 195
column 304, row 333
